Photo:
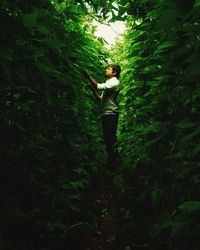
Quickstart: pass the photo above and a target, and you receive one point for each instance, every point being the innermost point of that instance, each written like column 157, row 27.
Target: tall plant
column 159, row 124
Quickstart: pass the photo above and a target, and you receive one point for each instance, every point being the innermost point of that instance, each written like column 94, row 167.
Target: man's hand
column 90, row 79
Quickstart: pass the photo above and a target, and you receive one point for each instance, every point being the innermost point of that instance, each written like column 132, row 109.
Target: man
column 109, row 109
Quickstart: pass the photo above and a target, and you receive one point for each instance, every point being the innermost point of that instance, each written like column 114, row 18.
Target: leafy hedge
column 160, row 125
column 51, row 142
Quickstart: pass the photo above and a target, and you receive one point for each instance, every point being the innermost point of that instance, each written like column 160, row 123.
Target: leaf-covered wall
column 159, row 123
column 51, row 140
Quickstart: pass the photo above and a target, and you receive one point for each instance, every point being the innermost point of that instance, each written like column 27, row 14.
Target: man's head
column 113, row 70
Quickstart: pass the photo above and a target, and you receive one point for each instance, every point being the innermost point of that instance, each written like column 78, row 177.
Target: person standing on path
column 109, row 109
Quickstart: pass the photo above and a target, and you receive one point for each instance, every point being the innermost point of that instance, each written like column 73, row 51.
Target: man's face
column 109, row 72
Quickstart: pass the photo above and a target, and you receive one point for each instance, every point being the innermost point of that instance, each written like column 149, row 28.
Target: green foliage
column 190, row 206
column 159, row 124
column 51, row 143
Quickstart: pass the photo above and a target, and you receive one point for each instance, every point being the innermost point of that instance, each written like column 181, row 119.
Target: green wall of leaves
column 51, row 139
column 159, row 124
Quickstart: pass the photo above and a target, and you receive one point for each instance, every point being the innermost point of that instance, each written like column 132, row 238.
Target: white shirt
column 112, row 83
column 109, row 95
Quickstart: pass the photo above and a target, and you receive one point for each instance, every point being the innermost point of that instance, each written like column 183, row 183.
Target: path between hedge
column 108, row 233
column 104, row 204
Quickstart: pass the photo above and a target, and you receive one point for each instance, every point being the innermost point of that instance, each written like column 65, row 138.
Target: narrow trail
column 104, row 204
column 107, row 232
column 101, row 201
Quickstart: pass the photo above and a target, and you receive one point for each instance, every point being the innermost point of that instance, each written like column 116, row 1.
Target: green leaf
column 52, row 225
column 196, row 150
column 185, row 124
column 190, row 206
column 55, row 43
column 74, row 208
column 167, row 18
column 138, row 101
column 174, row 156
column 166, row 45
column 160, row 223
column 189, row 137
column 30, row 20
column 44, row 30
column 151, row 68
column 47, row 68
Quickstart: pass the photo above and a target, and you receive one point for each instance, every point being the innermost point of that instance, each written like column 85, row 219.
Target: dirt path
column 106, row 209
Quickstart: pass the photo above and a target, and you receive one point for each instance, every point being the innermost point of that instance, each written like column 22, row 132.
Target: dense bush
column 51, row 143
column 51, row 139
column 159, row 123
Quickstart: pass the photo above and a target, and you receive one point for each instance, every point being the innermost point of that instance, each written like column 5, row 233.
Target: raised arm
column 90, row 79
column 98, row 97
column 92, row 85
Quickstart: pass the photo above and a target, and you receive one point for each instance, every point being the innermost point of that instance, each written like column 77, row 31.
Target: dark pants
column 109, row 125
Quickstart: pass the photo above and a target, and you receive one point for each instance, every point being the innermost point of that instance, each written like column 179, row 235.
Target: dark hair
column 116, row 68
